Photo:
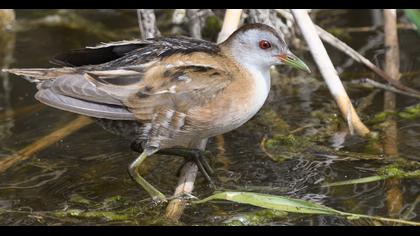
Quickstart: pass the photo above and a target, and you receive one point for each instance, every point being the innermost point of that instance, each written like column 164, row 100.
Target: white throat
column 262, row 82
column 259, row 73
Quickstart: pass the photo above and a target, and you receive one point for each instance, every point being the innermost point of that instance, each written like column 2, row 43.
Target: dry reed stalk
column 176, row 207
column 392, row 65
column 147, row 23
column 394, row 197
column 362, row 29
column 230, row 23
column 329, row 38
column 186, row 180
column 44, row 142
column 386, row 87
column 328, row 72
column 340, row 45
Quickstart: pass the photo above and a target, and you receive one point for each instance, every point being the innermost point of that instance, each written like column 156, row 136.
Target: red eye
column 264, row 44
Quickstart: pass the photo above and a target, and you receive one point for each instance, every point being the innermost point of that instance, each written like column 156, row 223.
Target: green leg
column 133, row 170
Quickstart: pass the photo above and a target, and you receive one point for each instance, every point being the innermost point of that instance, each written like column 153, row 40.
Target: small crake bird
column 178, row 90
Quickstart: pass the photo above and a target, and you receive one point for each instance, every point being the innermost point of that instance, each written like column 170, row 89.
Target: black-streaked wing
column 97, row 55
column 179, row 88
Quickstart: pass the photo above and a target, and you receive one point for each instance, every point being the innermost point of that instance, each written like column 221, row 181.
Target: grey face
column 263, row 48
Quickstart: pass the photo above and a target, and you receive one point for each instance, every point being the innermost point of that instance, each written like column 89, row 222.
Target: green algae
column 395, row 170
column 106, row 215
column 377, row 120
column 390, row 171
column 77, row 198
column 274, row 121
column 114, row 209
column 410, row 113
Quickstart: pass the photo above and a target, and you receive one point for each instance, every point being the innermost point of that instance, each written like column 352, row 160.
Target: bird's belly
column 238, row 114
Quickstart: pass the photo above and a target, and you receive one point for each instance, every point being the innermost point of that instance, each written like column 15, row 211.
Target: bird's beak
column 291, row 60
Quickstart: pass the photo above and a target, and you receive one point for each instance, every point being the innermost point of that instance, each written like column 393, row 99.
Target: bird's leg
column 133, row 171
column 197, row 155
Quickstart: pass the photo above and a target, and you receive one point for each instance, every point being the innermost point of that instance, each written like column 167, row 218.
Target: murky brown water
column 88, row 169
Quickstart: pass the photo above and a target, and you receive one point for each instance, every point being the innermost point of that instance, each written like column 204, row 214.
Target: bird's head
column 260, row 45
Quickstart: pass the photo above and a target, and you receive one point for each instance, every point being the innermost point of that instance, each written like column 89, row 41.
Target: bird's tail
column 39, row 74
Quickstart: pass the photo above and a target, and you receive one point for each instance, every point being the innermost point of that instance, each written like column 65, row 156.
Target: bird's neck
column 259, row 74
column 260, row 77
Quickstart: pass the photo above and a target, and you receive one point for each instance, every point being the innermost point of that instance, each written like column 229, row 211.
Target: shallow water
column 88, row 169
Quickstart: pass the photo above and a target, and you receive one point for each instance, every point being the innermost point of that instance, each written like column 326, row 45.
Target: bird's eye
column 264, row 44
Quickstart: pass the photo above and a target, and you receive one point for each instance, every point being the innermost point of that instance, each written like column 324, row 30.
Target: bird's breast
column 236, row 104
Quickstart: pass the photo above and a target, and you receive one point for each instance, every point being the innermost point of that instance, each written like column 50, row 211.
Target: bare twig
column 362, row 29
column 262, row 147
column 328, row 71
column 337, row 43
column 44, row 142
column 329, row 38
column 386, row 87
column 147, row 23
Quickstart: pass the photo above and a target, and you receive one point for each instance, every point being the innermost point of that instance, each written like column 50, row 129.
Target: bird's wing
column 175, row 87
column 75, row 94
column 100, row 54
column 127, row 70
column 83, row 107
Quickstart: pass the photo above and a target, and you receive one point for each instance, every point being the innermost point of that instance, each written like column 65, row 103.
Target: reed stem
column 328, row 72
column 230, row 24
column 394, row 196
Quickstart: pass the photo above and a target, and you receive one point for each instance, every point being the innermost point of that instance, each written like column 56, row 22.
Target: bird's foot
column 156, row 196
column 194, row 155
